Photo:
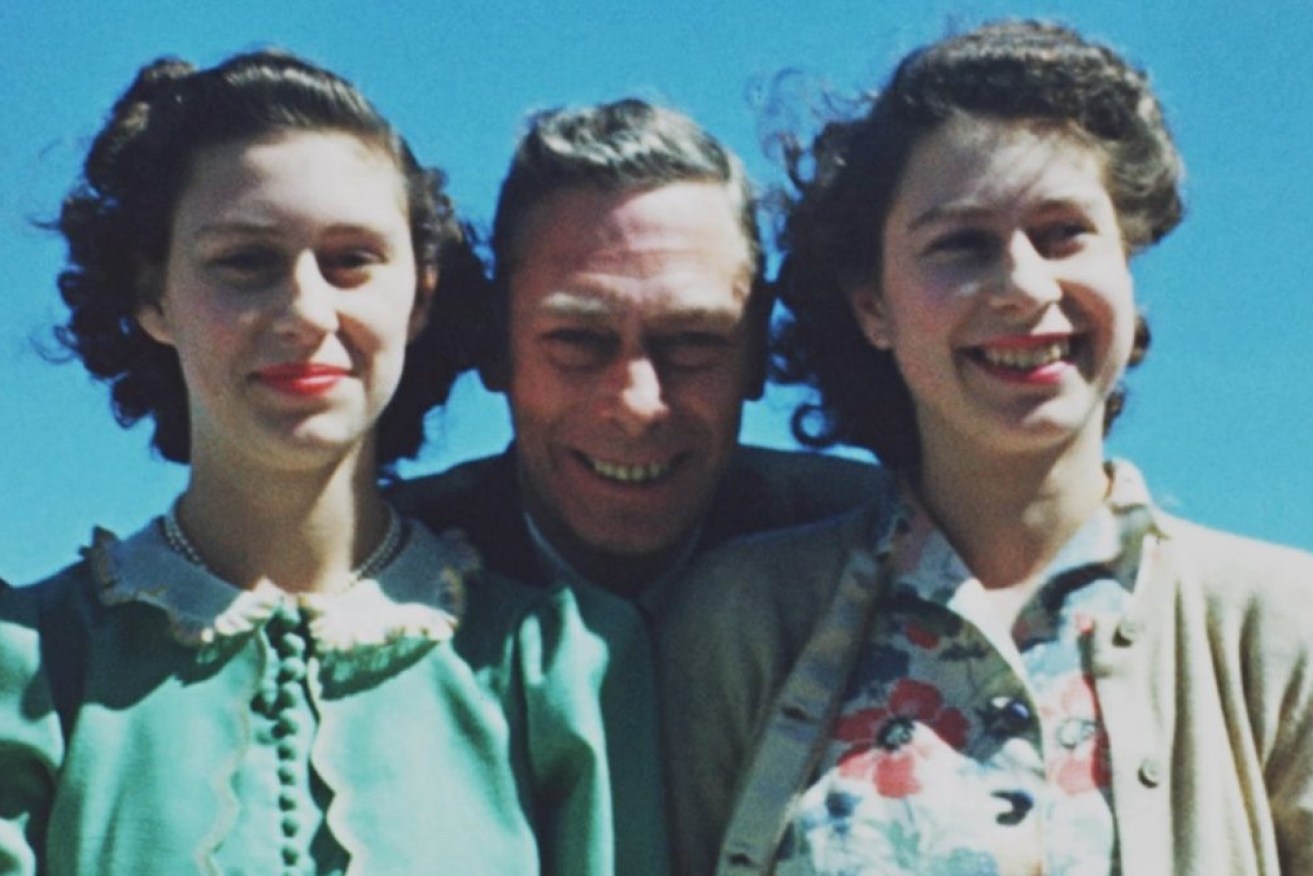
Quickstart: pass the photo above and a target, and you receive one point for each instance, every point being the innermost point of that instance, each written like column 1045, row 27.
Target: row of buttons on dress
column 282, row 698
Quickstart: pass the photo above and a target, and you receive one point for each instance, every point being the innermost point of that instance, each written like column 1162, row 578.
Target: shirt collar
column 926, row 565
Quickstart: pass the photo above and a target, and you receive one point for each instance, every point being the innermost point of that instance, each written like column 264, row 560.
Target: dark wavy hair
column 847, row 178
column 626, row 145
column 117, row 221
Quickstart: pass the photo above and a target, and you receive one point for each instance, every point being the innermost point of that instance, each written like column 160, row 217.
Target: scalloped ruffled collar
column 419, row 595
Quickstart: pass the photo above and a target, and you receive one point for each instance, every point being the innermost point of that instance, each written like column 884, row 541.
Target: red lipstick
column 1030, row 359
column 301, row 378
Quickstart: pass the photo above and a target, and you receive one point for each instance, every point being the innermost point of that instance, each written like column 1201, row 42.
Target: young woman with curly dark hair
column 1012, row 662
column 281, row 674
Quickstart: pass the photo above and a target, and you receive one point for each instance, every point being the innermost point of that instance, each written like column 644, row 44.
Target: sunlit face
column 289, row 293
column 629, row 362
column 1005, row 294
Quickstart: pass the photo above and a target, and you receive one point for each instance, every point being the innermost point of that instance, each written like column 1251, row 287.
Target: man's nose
column 640, row 397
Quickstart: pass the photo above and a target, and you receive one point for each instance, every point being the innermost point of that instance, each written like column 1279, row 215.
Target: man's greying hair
column 615, row 147
column 626, row 145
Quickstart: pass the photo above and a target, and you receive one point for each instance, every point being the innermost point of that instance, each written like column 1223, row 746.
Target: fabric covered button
column 291, row 855
column 291, row 825
column 286, row 773
column 291, row 669
column 286, row 749
column 287, row 799
column 284, row 614
column 1073, row 732
column 291, row 644
column 288, row 724
column 288, row 695
column 267, row 697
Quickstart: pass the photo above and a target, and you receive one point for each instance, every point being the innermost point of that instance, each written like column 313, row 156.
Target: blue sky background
column 1221, row 414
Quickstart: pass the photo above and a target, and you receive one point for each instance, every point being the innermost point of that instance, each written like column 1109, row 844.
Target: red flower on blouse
column 888, row 740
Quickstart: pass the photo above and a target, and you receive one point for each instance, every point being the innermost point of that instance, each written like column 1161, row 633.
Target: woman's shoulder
column 1237, row 564
column 775, row 570
column 1254, row 592
column 66, row 594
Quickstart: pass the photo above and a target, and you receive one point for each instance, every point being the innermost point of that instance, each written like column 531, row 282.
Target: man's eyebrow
column 570, row 304
column 703, row 318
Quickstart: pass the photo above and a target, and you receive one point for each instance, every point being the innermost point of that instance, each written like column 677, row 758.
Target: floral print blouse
column 961, row 746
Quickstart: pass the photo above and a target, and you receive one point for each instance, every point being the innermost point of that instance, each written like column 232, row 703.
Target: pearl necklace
column 379, row 558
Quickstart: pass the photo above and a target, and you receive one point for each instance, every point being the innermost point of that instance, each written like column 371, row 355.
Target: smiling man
column 626, row 326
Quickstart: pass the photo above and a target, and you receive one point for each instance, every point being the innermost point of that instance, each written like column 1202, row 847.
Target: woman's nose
column 311, row 300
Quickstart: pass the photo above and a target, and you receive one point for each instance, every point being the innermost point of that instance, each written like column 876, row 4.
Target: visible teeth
column 1031, row 357
column 630, row 474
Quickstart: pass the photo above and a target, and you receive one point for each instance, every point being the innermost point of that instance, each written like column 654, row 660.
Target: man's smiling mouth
column 642, row 473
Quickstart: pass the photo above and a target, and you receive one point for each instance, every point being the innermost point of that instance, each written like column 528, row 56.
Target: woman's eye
column 246, row 266
column 967, row 242
column 1059, row 238
column 349, row 267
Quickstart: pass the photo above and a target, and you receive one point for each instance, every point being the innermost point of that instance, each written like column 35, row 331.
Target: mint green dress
column 434, row 718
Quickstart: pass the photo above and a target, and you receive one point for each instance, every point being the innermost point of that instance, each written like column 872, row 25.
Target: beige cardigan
column 1206, row 688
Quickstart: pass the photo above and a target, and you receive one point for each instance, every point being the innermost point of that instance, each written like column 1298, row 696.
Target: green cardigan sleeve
column 31, row 743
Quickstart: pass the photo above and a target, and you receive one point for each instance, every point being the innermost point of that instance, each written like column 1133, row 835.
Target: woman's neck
column 1009, row 515
column 303, row 531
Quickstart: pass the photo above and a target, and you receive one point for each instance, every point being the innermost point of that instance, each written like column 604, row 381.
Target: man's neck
column 628, row 576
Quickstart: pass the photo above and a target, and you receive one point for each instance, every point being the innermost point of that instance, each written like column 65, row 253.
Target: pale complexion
column 630, row 358
column 1007, row 301
column 290, row 294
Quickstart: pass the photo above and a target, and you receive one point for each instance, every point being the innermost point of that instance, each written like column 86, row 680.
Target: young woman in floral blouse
column 1012, row 662
column 280, row 674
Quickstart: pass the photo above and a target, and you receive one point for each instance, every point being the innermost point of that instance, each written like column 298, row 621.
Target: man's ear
column 760, row 307
column 420, row 311
column 494, row 370
column 872, row 318
column 492, row 341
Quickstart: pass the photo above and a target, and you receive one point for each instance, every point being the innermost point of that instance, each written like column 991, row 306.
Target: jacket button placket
column 287, row 702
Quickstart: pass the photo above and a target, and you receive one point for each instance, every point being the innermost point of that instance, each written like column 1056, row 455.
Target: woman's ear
column 151, row 319
column 869, row 310
column 150, row 313
column 423, row 306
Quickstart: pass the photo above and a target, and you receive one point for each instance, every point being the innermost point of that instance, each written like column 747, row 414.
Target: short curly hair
column 117, row 221
column 846, row 181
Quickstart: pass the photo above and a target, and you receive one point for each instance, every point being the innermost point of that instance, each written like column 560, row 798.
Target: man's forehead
column 686, row 304
column 629, row 229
